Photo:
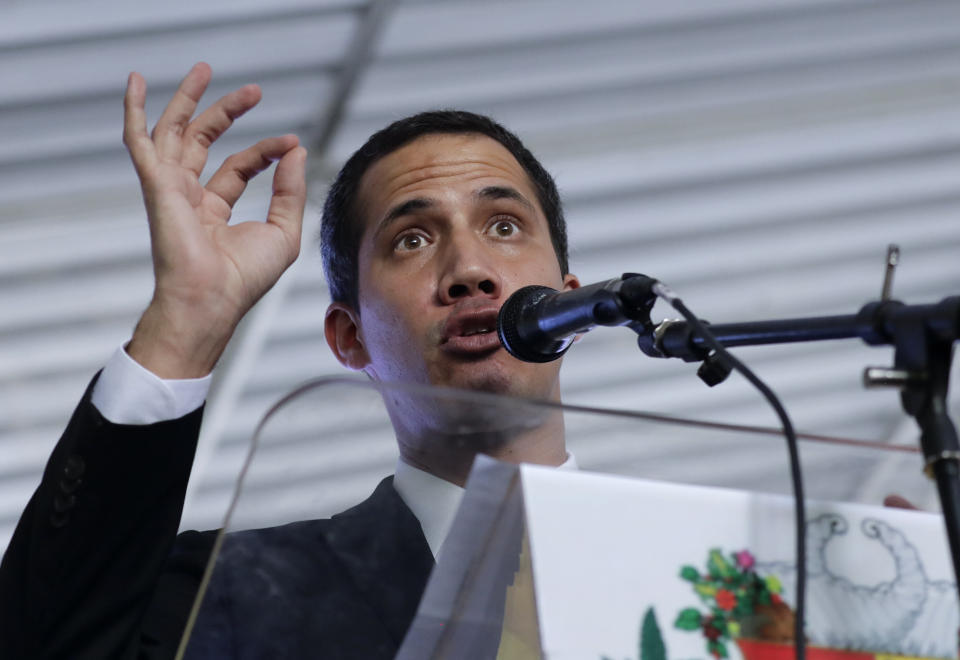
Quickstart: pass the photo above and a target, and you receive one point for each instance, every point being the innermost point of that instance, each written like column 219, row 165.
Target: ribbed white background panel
column 756, row 155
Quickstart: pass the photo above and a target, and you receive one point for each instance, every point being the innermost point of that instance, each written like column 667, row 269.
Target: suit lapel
column 381, row 545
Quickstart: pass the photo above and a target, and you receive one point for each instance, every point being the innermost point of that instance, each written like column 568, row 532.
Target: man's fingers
column 135, row 134
column 231, row 179
column 898, row 502
column 289, row 193
column 169, row 130
column 210, row 125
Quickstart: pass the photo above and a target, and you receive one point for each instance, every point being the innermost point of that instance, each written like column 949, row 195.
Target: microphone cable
column 667, row 294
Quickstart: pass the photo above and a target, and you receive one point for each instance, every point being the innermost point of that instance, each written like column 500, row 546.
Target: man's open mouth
column 471, row 331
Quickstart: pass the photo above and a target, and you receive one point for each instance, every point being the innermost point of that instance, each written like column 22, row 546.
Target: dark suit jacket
column 95, row 569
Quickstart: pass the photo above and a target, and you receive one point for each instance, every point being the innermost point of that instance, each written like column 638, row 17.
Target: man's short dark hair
column 342, row 227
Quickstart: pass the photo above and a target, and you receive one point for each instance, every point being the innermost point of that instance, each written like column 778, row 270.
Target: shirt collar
column 434, row 501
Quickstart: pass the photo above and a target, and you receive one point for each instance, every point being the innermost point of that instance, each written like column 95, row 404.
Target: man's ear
column 570, row 282
column 342, row 329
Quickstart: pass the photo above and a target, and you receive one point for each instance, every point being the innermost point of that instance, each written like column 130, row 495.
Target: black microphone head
column 515, row 327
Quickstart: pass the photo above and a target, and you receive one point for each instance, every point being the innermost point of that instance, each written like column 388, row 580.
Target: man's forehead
column 438, row 161
column 444, row 150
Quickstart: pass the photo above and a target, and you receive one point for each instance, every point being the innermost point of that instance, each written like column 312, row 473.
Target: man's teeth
column 478, row 331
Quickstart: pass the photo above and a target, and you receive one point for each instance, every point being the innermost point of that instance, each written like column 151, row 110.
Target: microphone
column 538, row 324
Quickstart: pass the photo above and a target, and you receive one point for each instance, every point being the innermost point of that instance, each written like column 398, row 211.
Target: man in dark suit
column 427, row 230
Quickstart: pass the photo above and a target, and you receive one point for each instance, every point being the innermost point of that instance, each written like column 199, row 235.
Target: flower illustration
column 734, row 596
column 726, row 600
column 745, row 560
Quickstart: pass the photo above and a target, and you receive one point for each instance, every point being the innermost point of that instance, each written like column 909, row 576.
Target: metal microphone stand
column 922, row 336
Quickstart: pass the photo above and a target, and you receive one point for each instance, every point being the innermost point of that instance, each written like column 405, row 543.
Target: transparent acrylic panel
column 286, row 579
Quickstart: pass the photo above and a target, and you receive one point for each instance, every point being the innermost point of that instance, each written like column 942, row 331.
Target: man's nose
column 469, row 270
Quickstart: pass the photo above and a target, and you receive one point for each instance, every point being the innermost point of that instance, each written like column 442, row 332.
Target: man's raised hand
column 208, row 273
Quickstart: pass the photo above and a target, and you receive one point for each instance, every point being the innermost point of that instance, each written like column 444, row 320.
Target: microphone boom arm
column 922, row 336
column 875, row 324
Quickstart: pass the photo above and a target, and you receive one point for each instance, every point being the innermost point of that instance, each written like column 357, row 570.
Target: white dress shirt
column 127, row 393
column 434, row 501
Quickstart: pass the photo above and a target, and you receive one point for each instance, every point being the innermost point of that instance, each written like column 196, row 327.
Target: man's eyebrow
column 420, row 203
column 404, row 208
column 504, row 192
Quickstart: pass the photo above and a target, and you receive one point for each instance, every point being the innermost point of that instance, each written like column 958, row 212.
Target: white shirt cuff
column 127, row 393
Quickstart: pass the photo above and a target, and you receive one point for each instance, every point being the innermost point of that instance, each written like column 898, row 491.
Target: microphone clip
column 714, row 368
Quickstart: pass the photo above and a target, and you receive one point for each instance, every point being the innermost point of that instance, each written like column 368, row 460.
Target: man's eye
column 410, row 242
column 505, row 228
